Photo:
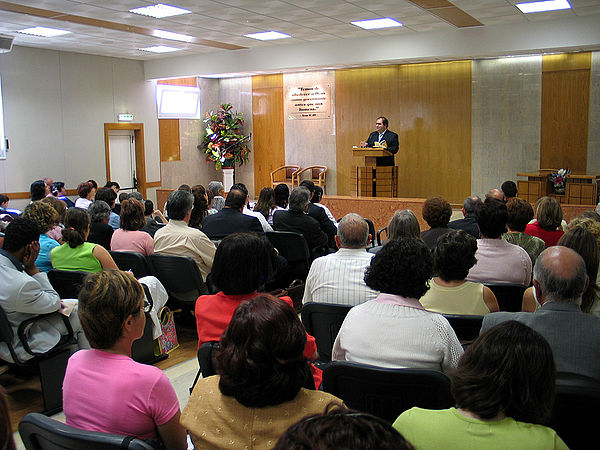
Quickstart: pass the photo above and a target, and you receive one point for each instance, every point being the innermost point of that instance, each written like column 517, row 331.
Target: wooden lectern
column 370, row 180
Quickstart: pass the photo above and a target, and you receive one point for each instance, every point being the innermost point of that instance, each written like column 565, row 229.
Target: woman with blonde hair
column 549, row 217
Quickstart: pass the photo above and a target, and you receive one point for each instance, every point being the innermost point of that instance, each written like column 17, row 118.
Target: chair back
column 39, row 432
column 576, row 414
column 180, row 276
column 386, row 393
column 136, row 262
column 292, row 246
column 7, row 334
column 284, row 174
column 371, row 232
column 379, row 232
column 206, row 358
column 509, row 295
column 66, row 282
column 466, row 327
column 323, row 321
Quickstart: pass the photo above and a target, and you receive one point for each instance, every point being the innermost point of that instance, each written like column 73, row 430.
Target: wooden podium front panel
column 386, row 180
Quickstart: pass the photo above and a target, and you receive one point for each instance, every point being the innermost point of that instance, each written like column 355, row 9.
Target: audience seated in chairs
column 502, row 397
column 449, row 292
column 498, row 261
column 109, row 196
column 58, row 191
column 259, row 391
column 76, row 253
column 403, row 224
column 46, row 218
column 130, row 237
column 436, row 212
column 231, row 219
column 328, row 225
column 104, row 389
column 38, row 190
column 520, row 213
column 342, row 429
column 27, row 293
column 316, row 200
column 100, row 231
column 394, row 330
column 249, row 211
column 547, row 226
column 469, row 221
column 86, row 192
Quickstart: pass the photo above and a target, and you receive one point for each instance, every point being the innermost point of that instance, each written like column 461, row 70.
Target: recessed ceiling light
column 159, row 49
column 159, row 11
column 377, row 23
column 173, row 36
column 268, row 35
column 43, row 31
column 549, row 5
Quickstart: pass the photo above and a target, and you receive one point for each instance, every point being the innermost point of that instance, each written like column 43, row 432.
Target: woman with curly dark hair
column 394, row 330
column 129, row 237
column 258, row 392
column 436, row 212
column 449, row 292
column 200, row 209
column 504, row 391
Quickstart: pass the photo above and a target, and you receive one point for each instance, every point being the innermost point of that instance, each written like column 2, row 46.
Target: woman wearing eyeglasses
column 104, row 389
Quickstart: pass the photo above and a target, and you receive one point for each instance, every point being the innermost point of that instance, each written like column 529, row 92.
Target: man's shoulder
column 392, row 133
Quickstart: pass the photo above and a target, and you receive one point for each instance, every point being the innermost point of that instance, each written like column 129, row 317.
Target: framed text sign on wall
column 309, row 102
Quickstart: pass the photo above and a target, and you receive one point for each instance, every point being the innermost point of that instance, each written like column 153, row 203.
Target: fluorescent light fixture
column 549, row 5
column 43, row 31
column 377, row 23
column 159, row 11
column 177, row 102
column 173, row 36
column 268, row 35
column 159, row 49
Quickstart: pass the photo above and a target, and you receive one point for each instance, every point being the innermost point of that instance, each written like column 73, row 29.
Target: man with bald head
column 559, row 281
column 339, row 277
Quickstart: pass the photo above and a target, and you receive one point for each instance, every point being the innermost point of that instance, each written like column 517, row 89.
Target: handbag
column 167, row 341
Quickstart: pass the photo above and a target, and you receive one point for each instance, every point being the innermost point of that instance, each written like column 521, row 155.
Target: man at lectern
column 383, row 138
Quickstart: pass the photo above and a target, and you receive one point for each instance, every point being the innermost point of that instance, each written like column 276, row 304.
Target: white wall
column 55, row 107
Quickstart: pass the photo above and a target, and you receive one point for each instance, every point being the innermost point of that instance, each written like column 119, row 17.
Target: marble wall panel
column 506, row 105
column 312, row 141
column 593, row 154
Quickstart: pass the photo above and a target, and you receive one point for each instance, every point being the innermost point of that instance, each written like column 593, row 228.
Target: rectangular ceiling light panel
column 549, row 5
column 44, row 32
column 377, row 23
column 172, row 36
column 159, row 49
column 159, row 11
column 268, row 35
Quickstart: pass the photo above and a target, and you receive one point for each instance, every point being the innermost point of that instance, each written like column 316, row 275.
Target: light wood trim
column 169, row 140
column 268, row 126
column 189, row 81
column 27, row 195
column 153, row 184
column 567, row 61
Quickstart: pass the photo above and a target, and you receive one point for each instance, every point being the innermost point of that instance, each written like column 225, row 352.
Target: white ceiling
column 227, row 21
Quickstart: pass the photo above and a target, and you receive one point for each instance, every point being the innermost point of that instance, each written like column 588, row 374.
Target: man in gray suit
column 559, row 281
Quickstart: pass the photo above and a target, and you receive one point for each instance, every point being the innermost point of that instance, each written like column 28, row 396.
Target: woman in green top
column 504, row 390
column 76, row 253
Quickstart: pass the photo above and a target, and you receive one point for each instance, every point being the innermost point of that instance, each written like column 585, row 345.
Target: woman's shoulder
column 318, row 399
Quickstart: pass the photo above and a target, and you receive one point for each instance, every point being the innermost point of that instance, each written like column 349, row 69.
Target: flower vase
column 228, row 173
column 560, row 190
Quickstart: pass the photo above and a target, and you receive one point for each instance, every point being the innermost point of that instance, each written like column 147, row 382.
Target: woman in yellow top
column 76, row 253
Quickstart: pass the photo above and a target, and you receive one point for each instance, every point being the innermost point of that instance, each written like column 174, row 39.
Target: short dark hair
column 491, row 218
column 281, row 192
column 470, row 204
column 185, row 187
column 106, row 299
column 56, row 187
column 110, row 184
column 93, row 183
column 243, row 263
column 454, row 255
column 84, row 189
column 299, row 198
column 519, row 213
column 179, row 203
column 148, row 207
column 383, row 120
column 132, row 215
column 437, row 212
column 106, row 194
column 240, row 186
column 509, row 369
column 37, row 190
column 20, row 233
column 509, row 188
column 261, row 359
column 3, row 198
column 76, row 221
column 308, row 184
column 317, row 194
column 235, row 199
column 341, row 428
column 402, row 267
column 123, row 196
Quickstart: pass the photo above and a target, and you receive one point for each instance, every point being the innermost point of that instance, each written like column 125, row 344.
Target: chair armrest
column 24, row 326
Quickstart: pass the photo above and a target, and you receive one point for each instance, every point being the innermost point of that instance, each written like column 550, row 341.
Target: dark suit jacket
column 391, row 139
column 228, row 221
column 327, row 226
column 469, row 224
column 284, row 220
column 573, row 335
column 100, row 233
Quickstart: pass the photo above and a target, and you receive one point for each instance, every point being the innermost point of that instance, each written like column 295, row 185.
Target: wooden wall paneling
column 168, row 140
column 361, row 95
column 435, row 130
column 189, row 81
column 268, row 128
column 565, row 111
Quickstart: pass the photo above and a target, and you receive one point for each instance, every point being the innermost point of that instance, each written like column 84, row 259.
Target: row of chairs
column 292, row 176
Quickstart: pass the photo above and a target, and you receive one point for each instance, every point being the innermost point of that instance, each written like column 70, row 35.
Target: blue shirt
column 114, row 221
column 43, row 260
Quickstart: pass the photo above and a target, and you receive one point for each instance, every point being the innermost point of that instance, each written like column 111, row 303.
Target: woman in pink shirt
column 129, row 237
column 104, row 389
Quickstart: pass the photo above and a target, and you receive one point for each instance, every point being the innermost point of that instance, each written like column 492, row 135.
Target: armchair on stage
column 371, row 180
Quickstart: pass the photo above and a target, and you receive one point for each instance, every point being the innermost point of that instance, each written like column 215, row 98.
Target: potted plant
column 559, row 180
column 224, row 143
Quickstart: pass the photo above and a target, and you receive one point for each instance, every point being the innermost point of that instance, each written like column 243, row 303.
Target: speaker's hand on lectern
column 363, row 143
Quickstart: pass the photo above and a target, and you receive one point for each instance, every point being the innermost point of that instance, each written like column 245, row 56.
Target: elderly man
column 27, row 293
column 231, row 219
column 469, row 222
column 339, row 277
column 176, row 238
column 559, row 281
column 297, row 220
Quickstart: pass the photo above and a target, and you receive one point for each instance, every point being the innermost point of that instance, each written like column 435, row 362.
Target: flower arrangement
column 559, row 180
column 224, row 144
